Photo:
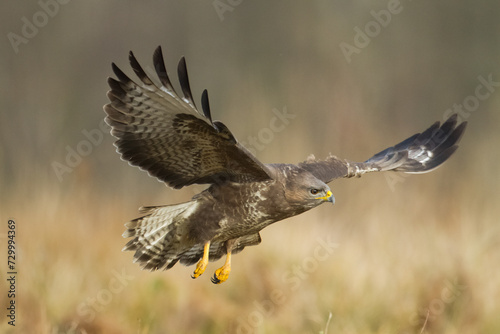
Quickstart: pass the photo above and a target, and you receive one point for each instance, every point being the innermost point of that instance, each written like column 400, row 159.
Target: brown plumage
column 169, row 137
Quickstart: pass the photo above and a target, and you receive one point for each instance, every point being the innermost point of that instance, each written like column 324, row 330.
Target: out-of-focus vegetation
column 401, row 249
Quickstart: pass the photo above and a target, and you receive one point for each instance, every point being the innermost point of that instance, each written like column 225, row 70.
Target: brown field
column 376, row 264
column 395, row 254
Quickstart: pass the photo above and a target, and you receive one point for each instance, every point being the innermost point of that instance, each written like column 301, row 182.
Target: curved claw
column 215, row 280
column 222, row 274
column 200, row 269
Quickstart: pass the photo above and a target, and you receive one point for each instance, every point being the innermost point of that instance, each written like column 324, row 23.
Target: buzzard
column 168, row 136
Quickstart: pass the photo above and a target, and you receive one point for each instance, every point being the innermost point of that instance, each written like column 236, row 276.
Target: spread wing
column 421, row 153
column 168, row 136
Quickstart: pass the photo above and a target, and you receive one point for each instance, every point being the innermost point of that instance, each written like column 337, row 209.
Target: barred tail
column 156, row 235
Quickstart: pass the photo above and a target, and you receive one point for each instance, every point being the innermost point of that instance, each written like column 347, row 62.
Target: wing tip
column 122, row 77
column 205, row 105
column 161, row 70
column 184, row 81
column 138, row 70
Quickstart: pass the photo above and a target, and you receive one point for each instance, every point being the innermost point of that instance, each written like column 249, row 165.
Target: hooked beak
column 328, row 198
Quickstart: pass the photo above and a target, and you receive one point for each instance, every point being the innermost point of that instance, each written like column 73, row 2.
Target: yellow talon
column 202, row 264
column 222, row 274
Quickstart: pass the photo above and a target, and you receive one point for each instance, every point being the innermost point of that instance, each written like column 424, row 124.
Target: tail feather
column 158, row 238
column 156, row 235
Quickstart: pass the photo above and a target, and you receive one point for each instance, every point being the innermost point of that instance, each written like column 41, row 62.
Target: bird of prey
column 168, row 136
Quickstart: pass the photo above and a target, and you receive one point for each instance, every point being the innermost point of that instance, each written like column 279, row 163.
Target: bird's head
column 304, row 189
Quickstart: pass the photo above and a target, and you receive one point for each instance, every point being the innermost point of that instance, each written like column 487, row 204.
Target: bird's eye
column 314, row 191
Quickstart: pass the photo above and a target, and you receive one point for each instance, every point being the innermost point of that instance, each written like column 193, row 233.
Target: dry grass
column 428, row 248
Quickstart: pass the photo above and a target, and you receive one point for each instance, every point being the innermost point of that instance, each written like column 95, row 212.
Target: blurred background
column 396, row 254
